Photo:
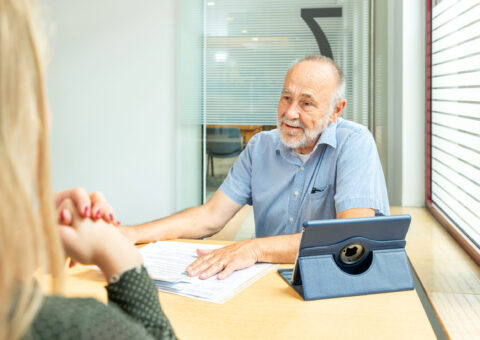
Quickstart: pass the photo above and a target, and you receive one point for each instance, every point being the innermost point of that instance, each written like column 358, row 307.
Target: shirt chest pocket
column 319, row 204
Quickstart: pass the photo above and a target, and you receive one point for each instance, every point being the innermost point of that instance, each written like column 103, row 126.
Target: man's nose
column 292, row 113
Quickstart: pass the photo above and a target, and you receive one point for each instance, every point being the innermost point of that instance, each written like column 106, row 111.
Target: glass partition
column 248, row 47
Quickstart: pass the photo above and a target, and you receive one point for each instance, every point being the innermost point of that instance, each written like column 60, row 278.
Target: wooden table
column 270, row 309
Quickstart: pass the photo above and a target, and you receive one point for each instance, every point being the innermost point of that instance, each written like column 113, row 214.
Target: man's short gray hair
column 339, row 93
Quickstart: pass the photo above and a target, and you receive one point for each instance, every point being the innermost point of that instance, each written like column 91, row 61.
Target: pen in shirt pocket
column 314, row 190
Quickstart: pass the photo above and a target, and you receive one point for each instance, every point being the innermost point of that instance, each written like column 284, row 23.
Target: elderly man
column 316, row 165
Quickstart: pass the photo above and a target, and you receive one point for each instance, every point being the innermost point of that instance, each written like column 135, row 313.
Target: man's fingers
column 202, row 252
column 229, row 269
column 204, row 260
column 210, row 263
column 77, row 195
column 200, row 264
column 212, row 270
column 197, row 266
column 226, row 260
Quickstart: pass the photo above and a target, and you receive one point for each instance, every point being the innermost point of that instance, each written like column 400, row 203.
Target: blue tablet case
column 321, row 272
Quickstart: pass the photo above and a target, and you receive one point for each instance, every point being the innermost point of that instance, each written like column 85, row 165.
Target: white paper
column 166, row 263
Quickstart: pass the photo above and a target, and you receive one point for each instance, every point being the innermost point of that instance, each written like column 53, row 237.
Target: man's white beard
column 308, row 137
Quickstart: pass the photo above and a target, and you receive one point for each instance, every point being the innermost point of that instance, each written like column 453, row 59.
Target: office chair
column 223, row 142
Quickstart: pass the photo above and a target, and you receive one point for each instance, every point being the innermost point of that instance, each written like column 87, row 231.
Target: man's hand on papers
column 224, row 261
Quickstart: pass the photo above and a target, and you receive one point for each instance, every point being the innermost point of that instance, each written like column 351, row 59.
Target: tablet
column 350, row 241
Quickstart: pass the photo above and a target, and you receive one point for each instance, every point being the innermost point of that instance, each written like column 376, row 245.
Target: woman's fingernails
column 111, row 217
column 62, row 215
column 99, row 214
column 117, row 222
column 86, row 212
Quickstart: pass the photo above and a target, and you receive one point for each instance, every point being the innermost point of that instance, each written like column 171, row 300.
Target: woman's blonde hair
column 29, row 241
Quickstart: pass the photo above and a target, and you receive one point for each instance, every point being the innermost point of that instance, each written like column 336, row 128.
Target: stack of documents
column 166, row 263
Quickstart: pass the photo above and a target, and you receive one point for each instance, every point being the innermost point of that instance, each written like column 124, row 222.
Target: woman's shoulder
column 82, row 318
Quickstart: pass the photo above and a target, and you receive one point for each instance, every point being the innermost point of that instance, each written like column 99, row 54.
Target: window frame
column 470, row 248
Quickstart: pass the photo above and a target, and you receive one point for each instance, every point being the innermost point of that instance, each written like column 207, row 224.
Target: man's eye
column 286, row 97
column 307, row 104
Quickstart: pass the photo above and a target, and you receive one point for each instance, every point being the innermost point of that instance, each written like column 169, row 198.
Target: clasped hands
column 91, row 205
column 86, row 224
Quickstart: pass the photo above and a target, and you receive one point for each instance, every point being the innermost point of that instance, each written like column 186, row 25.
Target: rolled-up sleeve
column 237, row 185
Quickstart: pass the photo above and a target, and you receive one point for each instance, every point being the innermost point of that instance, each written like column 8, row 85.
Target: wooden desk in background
column 247, row 131
column 270, row 309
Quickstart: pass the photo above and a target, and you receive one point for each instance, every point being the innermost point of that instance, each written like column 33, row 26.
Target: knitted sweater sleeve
column 133, row 312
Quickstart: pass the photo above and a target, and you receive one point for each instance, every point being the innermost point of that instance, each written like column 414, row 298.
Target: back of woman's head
column 28, row 240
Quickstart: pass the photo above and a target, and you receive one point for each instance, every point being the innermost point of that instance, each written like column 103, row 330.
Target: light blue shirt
column 343, row 172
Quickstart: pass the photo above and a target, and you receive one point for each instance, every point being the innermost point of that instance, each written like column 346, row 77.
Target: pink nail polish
column 62, row 215
column 99, row 214
column 86, row 212
column 111, row 217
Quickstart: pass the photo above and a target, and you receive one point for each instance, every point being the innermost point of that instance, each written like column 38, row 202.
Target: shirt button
column 302, row 168
column 296, row 193
column 291, row 219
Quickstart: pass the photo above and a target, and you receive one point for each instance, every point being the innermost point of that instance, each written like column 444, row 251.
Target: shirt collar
column 329, row 137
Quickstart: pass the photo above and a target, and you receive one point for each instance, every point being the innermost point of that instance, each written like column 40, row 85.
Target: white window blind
column 455, row 129
column 249, row 45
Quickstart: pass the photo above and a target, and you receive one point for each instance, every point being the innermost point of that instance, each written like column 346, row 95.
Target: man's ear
column 338, row 110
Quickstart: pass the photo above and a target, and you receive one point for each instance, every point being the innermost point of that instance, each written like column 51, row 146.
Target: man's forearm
column 196, row 222
column 191, row 223
column 277, row 249
column 284, row 248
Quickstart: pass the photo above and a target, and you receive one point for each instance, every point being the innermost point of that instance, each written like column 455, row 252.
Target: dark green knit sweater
column 133, row 312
